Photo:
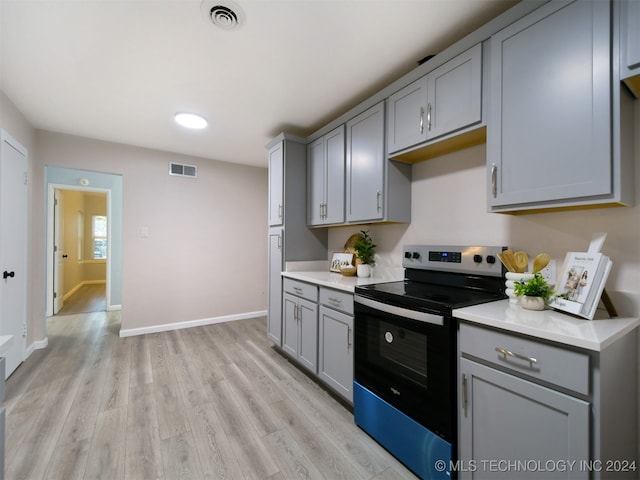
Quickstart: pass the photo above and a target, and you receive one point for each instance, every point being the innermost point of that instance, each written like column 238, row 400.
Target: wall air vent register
column 182, row 170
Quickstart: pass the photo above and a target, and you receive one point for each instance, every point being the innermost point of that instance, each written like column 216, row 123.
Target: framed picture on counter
column 340, row 259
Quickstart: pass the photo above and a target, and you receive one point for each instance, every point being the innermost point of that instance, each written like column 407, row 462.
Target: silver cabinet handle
column 335, row 301
column 280, row 212
column 494, row 180
column 324, row 210
column 464, row 394
column 421, row 120
column 429, row 117
column 507, row 353
column 378, row 195
column 348, row 337
column 297, row 289
column 279, row 242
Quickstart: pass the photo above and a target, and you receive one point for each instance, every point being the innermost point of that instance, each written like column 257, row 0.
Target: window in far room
column 99, row 229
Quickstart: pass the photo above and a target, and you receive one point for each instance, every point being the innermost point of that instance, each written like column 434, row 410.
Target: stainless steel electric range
column 405, row 361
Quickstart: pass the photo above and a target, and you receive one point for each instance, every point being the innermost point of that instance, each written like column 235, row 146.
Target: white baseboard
column 130, row 332
column 37, row 345
column 80, row 285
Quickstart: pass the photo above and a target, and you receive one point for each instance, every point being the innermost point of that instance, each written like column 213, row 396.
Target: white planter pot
column 512, row 278
column 532, row 303
column 364, row 270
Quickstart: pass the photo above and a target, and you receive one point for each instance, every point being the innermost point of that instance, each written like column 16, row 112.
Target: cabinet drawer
column 301, row 289
column 337, row 300
column 566, row 368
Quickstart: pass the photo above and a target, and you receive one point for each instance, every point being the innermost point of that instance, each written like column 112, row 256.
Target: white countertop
column 339, row 281
column 550, row 324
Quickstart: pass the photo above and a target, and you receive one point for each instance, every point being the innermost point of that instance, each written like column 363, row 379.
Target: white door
column 13, row 250
column 58, row 267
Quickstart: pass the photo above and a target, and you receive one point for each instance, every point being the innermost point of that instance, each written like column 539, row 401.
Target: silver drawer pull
column 297, row 289
column 336, row 301
column 507, row 353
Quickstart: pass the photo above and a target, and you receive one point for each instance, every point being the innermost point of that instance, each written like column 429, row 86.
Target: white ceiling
column 118, row 70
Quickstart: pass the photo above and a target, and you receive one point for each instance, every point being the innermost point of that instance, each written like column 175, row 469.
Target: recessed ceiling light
column 191, row 120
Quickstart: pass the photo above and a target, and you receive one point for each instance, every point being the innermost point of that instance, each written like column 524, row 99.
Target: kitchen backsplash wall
column 449, row 206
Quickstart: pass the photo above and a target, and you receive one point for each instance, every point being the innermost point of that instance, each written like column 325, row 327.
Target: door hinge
column 55, row 294
column 24, row 330
column 26, row 178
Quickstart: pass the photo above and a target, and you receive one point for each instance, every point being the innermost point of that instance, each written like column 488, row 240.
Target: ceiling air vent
column 224, row 14
column 182, row 170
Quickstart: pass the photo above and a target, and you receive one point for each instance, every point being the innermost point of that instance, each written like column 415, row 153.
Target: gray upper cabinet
column 325, row 179
column 276, row 184
column 446, row 100
column 377, row 189
column 630, row 45
column 554, row 134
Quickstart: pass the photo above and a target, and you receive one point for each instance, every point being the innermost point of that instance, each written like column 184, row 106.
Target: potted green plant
column 365, row 253
column 533, row 293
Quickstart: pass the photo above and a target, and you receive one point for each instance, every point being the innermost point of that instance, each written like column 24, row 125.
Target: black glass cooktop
column 433, row 297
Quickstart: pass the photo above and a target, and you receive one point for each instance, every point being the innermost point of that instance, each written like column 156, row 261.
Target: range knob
column 415, row 255
column 491, row 259
column 407, row 254
column 477, row 258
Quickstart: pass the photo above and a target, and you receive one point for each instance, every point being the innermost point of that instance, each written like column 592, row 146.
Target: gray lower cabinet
column 445, row 100
column 630, row 44
column 378, row 190
column 275, row 262
column 335, row 341
column 558, row 134
column 530, row 408
column 300, row 323
column 325, row 179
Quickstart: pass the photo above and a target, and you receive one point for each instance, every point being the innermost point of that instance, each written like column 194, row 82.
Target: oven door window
column 398, row 349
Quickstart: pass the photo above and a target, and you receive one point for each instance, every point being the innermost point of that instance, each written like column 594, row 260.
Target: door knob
column 6, row 274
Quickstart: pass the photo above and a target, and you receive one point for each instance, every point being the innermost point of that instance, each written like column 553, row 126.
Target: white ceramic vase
column 364, row 270
column 512, row 278
column 532, row 303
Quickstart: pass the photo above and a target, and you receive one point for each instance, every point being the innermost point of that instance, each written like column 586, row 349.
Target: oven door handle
column 400, row 312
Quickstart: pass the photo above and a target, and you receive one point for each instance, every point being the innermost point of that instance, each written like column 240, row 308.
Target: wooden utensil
column 506, row 257
column 521, row 260
column 541, row 261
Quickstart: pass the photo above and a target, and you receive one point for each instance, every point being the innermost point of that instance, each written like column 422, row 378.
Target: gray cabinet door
column 407, row 116
column 276, row 185
column 630, row 42
column 308, row 330
column 335, row 160
column 290, row 330
column 274, row 313
column 454, row 93
column 506, row 418
column 549, row 123
column 325, row 179
column 335, row 360
column 365, row 165
column 316, row 176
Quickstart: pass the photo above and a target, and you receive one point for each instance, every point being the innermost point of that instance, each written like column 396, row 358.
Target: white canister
column 364, row 270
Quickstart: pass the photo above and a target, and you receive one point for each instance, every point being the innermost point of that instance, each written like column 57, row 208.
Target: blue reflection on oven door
column 422, row 451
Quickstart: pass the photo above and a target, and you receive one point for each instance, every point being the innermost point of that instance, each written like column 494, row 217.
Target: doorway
column 79, row 250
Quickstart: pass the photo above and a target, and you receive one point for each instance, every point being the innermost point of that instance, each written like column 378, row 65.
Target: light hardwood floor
column 200, row 403
column 88, row 298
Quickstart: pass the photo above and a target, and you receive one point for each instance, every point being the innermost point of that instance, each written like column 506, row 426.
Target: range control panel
column 462, row 259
